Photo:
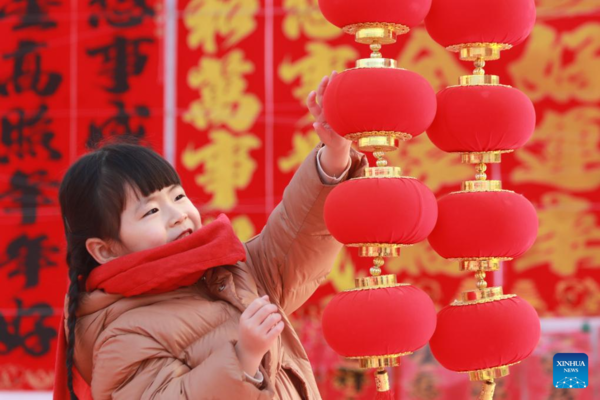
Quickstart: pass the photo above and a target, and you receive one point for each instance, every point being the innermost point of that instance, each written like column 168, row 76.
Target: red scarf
column 159, row 270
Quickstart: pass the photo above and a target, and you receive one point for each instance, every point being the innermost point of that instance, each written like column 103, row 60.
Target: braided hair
column 92, row 197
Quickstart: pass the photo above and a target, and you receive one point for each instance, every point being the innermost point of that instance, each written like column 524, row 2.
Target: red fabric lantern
column 482, row 118
column 484, row 224
column 379, row 99
column 379, row 322
column 456, row 22
column 381, row 210
column 349, row 12
column 489, row 335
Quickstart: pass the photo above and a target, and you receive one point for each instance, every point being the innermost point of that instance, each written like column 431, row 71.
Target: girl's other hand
column 260, row 325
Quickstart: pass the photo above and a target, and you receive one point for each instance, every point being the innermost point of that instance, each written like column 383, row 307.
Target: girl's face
column 164, row 216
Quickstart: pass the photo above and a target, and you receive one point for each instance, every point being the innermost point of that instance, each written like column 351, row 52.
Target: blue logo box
column 570, row 370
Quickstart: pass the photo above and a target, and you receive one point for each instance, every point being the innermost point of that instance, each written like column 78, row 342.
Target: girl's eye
column 181, row 196
column 154, row 210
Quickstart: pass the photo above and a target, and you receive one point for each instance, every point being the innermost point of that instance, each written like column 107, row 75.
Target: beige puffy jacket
column 180, row 345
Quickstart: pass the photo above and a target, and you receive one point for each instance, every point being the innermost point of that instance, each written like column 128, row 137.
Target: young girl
column 161, row 307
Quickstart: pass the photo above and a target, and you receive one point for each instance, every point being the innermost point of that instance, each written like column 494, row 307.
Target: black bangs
column 139, row 167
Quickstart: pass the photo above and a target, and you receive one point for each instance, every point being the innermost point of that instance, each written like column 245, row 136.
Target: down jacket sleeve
column 148, row 371
column 295, row 251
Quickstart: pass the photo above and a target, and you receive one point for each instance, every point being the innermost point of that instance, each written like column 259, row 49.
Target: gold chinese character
column 302, row 145
column 563, row 8
column 563, row 151
column 577, row 296
column 419, row 158
column 243, row 227
column 319, row 61
column 222, row 89
column 232, row 20
column 568, row 236
column 343, row 271
column 560, row 65
column 228, row 166
column 434, row 63
column 305, row 16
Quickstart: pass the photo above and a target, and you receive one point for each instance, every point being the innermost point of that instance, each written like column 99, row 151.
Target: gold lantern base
column 478, row 80
column 489, row 373
column 475, row 51
column 388, row 360
column 376, row 32
column 376, row 63
column 375, row 282
column 488, row 157
column 480, row 263
column 481, row 296
column 382, row 172
column 481, row 186
column 378, row 140
column 377, row 249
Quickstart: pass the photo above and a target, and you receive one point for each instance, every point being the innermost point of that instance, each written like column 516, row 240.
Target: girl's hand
column 260, row 325
column 336, row 154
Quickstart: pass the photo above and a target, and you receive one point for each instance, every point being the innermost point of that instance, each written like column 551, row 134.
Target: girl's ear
column 101, row 250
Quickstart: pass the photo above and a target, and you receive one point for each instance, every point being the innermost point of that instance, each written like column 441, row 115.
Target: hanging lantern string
column 375, row 47
column 480, row 172
column 377, row 264
column 481, row 283
column 479, row 64
column 381, row 162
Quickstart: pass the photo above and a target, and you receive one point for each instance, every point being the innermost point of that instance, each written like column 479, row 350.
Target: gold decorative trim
column 479, row 84
column 478, row 157
column 360, row 289
column 478, row 294
column 374, row 141
column 489, row 373
column 384, row 177
column 373, row 281
column 388, row 360
column 376, row 63
column 375, row 32
column 383, row 172
column 397, row 135
column 460, row 303
column 480, row 191
column 481, row 186
column 382, row 382
column 486, row 264
column 476, row 80
column 479, row 50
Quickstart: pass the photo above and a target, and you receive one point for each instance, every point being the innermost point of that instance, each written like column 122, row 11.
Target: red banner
column 73, row 74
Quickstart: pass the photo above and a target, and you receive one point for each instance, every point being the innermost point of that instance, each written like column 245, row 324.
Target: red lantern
column 484, row 337
column 482, row 118
column 466, row 23
column 366, row 102
column 497, row 224
column 379, row 323
column 344, row 13
column 398, row 210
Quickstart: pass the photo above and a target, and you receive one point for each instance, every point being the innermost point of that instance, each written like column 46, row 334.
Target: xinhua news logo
column 570, row 370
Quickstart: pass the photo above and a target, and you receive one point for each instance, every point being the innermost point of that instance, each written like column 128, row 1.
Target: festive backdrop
column 218, row 87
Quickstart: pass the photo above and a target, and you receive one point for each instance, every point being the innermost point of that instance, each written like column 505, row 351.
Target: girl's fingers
column 269, row 322
column 321, row 90
column 255, row 306
column 276, row 330
column 312, row 105
column 262, row 314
